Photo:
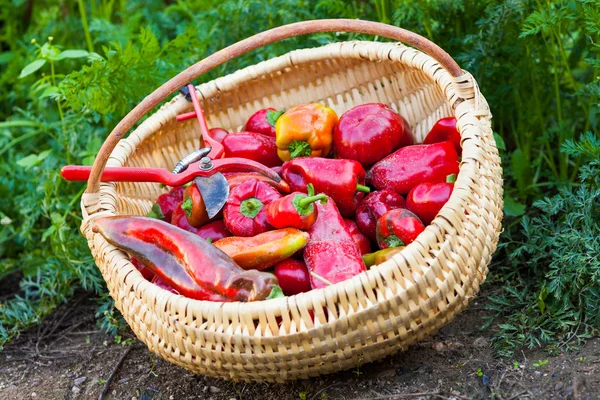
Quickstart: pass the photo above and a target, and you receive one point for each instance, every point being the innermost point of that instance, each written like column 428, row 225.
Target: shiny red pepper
column 193, row 206
column 374, row 206
column 360, row 239
column 166, row 203
column 237, row 178
column 263, row 121
column 218, row 134
column 293, row 276
column 189, row 264
column 444, row 129
column 398, row 227
column 342, row 180
column 409, row 166
column 368, row 132
column 253, row 146
column 245, row 213
column 295, row 210
column 427, row 199
column 331, row 254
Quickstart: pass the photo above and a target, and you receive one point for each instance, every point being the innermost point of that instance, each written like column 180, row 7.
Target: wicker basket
column 370, row 316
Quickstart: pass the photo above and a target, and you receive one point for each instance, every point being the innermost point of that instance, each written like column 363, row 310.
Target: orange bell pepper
column 263, row 250
column 305, row 131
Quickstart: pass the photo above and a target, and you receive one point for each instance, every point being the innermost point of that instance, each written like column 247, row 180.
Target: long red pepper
column 253, row 146
column 342, row 180
column 331, row 254
column 411, row 165
column 185, row 261
column 295, row 210
column 444, row 129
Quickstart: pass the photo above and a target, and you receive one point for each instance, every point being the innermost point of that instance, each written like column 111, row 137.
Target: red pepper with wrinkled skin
column 374, row 206
column 163, row 285
column 342, row 180
column 363, row 242
column 369, row 132
column 166, row 204
column 189, row 264
column 218, row 134
column 194, row 207
column 331, row 254
column 293, row 277
column 245, row 212
column 295, row 210
column 263, row 121
column 253, row 146
column 445, row 129
column 214, row 231
column 427, row 199
column 409, row 166
column 398, row 227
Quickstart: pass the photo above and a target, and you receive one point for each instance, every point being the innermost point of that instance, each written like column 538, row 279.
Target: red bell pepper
column 360, row 239
column 295, row 210
column 398, row 227
column 166, row 203
column 407, row 167
column 331, row 254
column 189, row 264
column 263, row 121
column 369, row 132
column 245, row 213
column 293, row 277
column 218, row 134
column 193, row 206
column 253, row 146
column 427, row 199
column 342, row 180
column 374, row 206
column 444, row 129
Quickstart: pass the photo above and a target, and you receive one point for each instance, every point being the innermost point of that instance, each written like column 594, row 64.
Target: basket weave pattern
column 363, row 319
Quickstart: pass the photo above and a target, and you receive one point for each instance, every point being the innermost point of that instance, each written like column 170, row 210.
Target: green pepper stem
column 299, row 148
column 451, row 178
column 305, row 201
column 310, row 189
column 362, row 188
column 276, row 293
column 251, row 207
column 186, row 206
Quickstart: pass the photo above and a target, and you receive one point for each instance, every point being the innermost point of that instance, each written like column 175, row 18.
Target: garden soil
column 69, row 358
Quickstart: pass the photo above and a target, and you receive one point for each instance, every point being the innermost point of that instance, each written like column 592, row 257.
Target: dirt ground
column 69, row 358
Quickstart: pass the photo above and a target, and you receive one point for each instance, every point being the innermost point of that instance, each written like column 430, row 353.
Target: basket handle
column 249, row 44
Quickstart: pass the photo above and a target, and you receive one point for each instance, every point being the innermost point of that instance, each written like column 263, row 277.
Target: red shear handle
column 118, row 174
column 249, row 44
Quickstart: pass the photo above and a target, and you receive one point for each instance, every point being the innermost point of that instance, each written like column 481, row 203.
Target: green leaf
column 512, row 208
column 32, row 67
column 33, row 159
column 499, row 142
column 49, row 91
column 70, row 54
column 521, row 169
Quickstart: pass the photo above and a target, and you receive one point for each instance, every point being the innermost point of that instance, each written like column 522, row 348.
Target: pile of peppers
column 355, row 192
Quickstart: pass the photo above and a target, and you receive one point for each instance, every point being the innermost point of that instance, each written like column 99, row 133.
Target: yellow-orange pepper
column 265, row 249
column 305, row 130
column 380, row 256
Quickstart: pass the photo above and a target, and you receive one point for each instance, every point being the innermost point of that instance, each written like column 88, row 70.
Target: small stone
column 558, row 386
column 75, row 389
column 214, row 389
column 34, row 394
column 79, row 381
column 538, row 373
column 171, row 397
column 233, row 398
column 480, row 342
column 438, row 346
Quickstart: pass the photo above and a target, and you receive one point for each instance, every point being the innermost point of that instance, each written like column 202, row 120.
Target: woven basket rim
column 472, row 103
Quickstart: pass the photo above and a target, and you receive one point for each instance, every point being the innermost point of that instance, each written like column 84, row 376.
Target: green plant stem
column 86, row 29
column 62, row 117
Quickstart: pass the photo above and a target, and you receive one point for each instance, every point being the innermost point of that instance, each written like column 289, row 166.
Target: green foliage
column 537, row 64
